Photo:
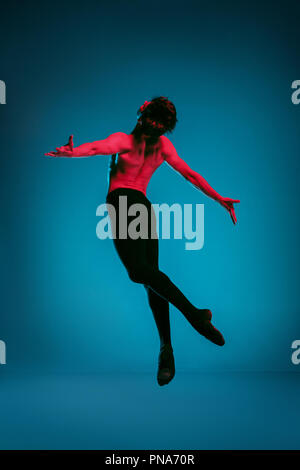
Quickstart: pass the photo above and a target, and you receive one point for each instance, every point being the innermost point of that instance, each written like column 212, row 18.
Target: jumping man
column 134, row 159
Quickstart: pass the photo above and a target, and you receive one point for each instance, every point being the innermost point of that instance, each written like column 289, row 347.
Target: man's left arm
column 115, row 143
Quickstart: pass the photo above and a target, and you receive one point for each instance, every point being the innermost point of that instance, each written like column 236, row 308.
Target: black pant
column 140, row 258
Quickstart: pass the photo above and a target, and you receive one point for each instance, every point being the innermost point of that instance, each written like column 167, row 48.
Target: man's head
column 157, row 117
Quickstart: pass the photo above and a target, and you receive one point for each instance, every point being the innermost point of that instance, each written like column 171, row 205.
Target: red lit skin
column 138, row 161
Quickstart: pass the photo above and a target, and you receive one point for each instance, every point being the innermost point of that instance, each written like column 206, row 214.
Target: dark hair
column 155, row 117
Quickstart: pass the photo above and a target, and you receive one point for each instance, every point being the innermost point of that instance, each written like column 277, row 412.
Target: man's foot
column 201, row 321
column 166, row 365
column 204, row 314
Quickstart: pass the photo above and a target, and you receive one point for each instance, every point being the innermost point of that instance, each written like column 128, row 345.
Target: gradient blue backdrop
column 68, row 307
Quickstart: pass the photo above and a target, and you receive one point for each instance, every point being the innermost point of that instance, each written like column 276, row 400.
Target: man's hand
column 227, row 202
column 64, row 151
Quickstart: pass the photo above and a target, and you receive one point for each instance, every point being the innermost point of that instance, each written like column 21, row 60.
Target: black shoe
column 166, row 365
column 204, row 314
column 201, row 321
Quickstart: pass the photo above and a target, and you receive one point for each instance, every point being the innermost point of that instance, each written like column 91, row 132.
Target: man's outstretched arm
column 172, row 158
column 114, row 143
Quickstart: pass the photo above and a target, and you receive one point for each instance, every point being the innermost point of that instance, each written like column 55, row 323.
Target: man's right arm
column 172, row 158
column 179, row 165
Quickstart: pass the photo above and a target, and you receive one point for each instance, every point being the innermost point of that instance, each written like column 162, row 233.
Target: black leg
column 158, row 305
column 160, row 311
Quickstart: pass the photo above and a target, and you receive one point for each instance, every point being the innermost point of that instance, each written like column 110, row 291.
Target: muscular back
column 133, row 163
column 134, row 167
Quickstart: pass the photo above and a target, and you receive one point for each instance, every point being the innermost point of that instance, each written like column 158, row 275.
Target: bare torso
column 134, row 168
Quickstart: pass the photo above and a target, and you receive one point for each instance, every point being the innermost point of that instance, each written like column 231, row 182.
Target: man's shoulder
column 167, row 146
column 165, row 139
column 121, row 135
column 128, row 138
column 122, row 139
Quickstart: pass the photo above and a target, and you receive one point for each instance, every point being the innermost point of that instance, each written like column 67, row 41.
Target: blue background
column 72, row 321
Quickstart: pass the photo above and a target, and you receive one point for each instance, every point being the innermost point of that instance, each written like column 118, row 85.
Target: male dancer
column 134, row 159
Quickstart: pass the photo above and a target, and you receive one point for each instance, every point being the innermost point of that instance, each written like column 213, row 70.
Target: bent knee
column 141, row 274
